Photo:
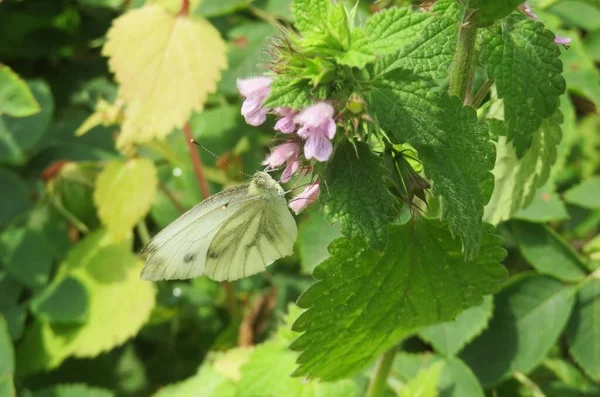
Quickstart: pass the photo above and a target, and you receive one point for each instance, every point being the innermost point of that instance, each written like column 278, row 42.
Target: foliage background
column 76, row 319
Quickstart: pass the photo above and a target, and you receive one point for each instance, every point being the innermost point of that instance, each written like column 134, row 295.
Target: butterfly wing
column 254, row 237
column 179, row 250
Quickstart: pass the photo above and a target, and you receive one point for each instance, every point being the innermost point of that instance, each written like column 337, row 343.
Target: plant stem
column 379, row 382
column 463, row 64
column 143, row 232
column 195, row 157
column 481, row 94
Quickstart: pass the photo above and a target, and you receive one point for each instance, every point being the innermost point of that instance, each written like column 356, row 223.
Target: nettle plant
column 419, row 129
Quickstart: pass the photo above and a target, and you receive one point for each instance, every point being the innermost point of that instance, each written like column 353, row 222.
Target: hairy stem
column 197, row 164
column 461, row 75
column 481, row 94
column 379, row 382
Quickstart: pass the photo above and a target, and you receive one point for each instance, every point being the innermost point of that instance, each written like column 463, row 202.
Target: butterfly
column 230, row 235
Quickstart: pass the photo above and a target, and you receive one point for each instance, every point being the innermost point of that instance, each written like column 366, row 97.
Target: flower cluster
column 309, row 133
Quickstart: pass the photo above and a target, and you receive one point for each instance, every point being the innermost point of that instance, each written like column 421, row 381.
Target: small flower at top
column 286, row 122
column 525, row 8
column 563, row 40
column 318, row 128
column 285, row 153
column 255, row 90
column 306, row 198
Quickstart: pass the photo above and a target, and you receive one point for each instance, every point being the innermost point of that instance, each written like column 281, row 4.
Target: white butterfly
column 230, row 235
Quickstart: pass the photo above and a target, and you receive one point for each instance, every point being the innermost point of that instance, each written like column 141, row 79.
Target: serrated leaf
column 523, row 60
column 110, row 272
column 518, row 179
column 292, row 94
column 310, row 14
column 583, row 331
column 529, row 315
column 65, row 301
column 7, row 361
column 456, row 379
column 356, row 194
column 206, row 383
column 586, row 194
column 314, row 235
column 124, row 193
column 442, row 131
column 425, row 384
column 546, row 206
column 548, row 252
column 73, row 390
column 16, row 99
column 450, row 337
column 488, row 11
column 166, row 66
column 366, row 301
column 19, row 136
column 268, row 373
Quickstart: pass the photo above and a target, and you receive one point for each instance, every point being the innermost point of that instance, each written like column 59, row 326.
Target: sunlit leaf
column 16, row 98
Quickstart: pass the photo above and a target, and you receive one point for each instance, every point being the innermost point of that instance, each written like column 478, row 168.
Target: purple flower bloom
column 563, row 40
column 306, row 198
column 255, row 90
column 318, row 128
column 526, row 9
column 285, row 153
column 286, row 123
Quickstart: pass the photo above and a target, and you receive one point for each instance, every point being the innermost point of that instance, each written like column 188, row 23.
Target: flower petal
column 318, row 146
column 255, row 86
column 306, row 198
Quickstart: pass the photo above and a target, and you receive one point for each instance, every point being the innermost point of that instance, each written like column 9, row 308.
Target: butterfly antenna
column 229, row 165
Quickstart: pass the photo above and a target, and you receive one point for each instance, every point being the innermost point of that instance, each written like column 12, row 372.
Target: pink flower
column 526, row 9
column 255, row 90
column 285, row 153
column 306, row 198
column 318, row 128
column 563, row 40
column 286, row 123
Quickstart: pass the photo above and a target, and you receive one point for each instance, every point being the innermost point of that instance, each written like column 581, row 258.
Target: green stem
column 481, row 94
column 463, row 64
column 379, row 382
column 143, row 232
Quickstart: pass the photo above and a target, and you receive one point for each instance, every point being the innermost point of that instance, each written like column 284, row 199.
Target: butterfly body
column 231, row 235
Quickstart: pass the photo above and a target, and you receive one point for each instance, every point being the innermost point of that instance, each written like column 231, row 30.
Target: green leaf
column 488, row 11
column 583, row 332
column 292, row 94
column 518, row 179
column 580, row 72
column 19, row 136
column 425, row 384
column 456, row 379
column 428, row 56
column 208, row 382
column 366, row 301
column 529, row 315
column 548, row 252
column 211, row 9
column 450, row 337
column 246, row 53
column 7, row 361
column 314, row 235
column 310, row 14
column 14, row 196
column 442, row 131
column 110, row 273
column 65, row 301
column 73, row 390
column 586, row 194
column 546, row 206
column 357, row 195
column 16, row 99
column 124, row 194
column 268, row 373
column 523, row 60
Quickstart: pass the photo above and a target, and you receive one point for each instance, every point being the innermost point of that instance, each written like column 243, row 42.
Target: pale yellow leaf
column 166, row 65
column 124, row 193
column 119, row 305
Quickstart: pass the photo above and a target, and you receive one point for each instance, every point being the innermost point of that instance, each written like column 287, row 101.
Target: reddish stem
column 195, row 157
column 185, row 8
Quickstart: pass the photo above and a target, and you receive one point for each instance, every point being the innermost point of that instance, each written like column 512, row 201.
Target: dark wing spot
column 149, row 249
column 212, row 254
column 224, row 206
column 190, row 256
